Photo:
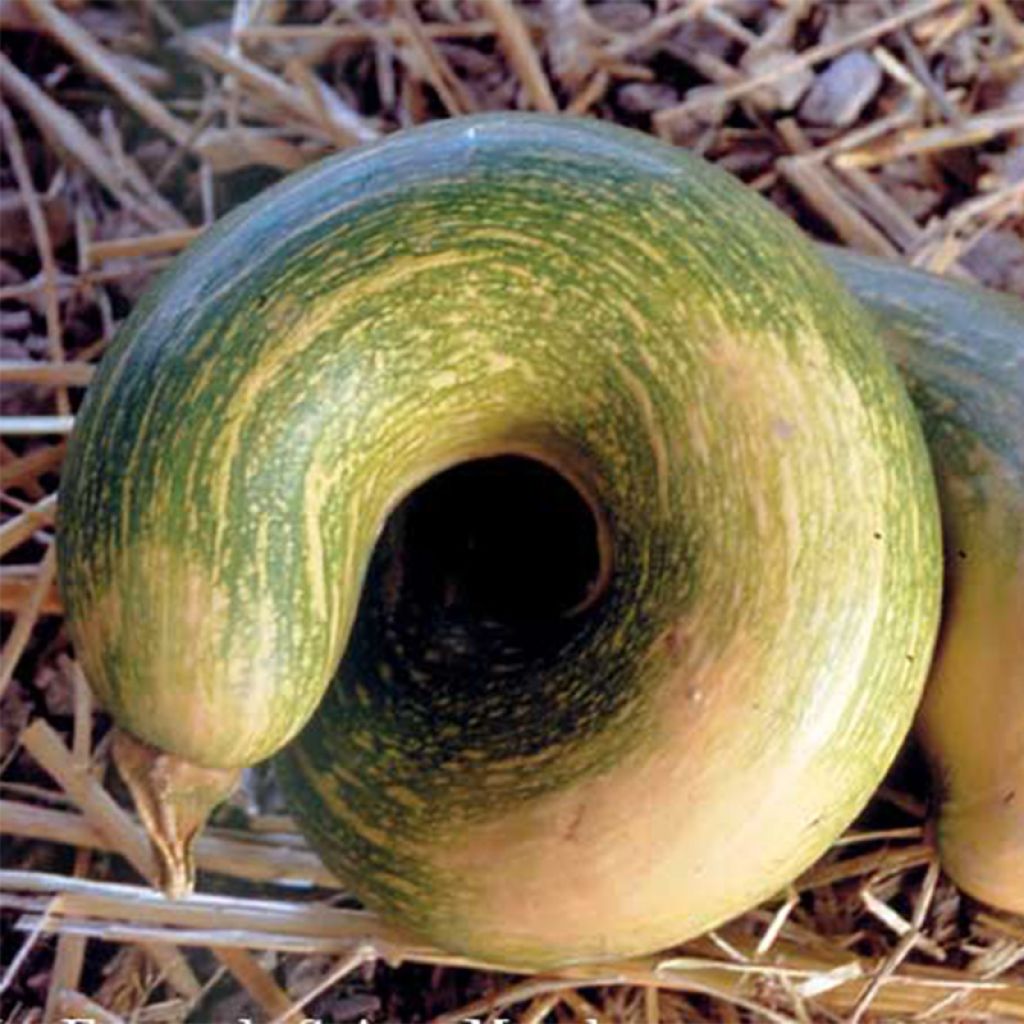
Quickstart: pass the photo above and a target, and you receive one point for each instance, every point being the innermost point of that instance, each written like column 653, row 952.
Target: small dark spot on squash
column 1010, row 797
column 783, row 429
column 571, row 833
column 878, row 534
column 910, row 658
column 961, row 553
column 674, row 641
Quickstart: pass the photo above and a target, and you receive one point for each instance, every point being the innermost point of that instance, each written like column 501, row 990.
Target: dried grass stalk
column 799, row 62
column 242, row 857
column 26, row 619
column 521, row 53
column 44, row 246
column 61, row 375
column 17, row 586
column 67, row 134
column 102, row 63
column 128, row 913
column 433, row 65
column 19, row 529
column 35, row 426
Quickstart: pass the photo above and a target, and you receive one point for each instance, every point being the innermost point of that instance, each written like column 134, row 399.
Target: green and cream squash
column 601, row 777
column 961, row 352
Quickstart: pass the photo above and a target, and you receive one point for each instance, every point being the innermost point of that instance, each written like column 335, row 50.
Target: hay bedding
column 892, row 126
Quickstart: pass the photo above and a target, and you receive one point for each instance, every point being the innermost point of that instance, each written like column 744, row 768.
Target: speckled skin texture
column 641, row 771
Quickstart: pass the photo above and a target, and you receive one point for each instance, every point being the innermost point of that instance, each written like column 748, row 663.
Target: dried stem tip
column 174, row 798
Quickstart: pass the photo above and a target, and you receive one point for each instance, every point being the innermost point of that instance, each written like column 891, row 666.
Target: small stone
column 37, row 346
column 15, row 321
column 843, row 19
column 9, row 274
column 916, row 201
column 783, row 93
column 997, row 260
column 698, row 37
column 621, row 15
column 643, row 97
column 842, row 91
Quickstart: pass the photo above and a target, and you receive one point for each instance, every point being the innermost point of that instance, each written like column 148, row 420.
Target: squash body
column 961, row 351
column 678, row 750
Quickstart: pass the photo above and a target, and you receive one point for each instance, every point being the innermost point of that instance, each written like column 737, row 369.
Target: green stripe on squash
column 677, row 751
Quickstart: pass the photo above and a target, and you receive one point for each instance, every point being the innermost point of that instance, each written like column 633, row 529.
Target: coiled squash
column 602, row 780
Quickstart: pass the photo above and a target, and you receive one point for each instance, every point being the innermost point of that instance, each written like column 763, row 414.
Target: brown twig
column 146, row 245
column 654, row 31
column 92, row 55
column 242, row 857
column 69, row 960
column 26, row 619
column 75, row 1006
column 60, row 375
column 906, row 943
column 437, row 70
column 35, row 426
column 271, row 88
column 807, row 58
column 515, row 41
column 970, row 131
column 67, row 134
column 475, row 28
column 44, row 246
column 19, row 529
column 17, row 586
column 348, row 964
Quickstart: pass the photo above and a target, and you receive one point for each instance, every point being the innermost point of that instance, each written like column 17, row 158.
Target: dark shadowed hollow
column 505, row 538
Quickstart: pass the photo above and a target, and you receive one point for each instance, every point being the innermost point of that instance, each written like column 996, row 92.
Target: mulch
column 895, row 127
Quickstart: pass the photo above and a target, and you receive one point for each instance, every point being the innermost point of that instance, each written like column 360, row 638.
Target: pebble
column 643, row 97
column 842, row 91
column 782, row 93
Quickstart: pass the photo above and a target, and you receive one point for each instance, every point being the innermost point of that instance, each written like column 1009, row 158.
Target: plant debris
column 892, row 126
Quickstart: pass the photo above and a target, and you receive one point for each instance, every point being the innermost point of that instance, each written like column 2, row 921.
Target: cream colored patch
column 315, row 488
column 229, row 443
column 300, row 331
column 442, row 379
column 734, row 794
column 196, row 681
column 680, row 836
column 499, row 362
column 971, row 718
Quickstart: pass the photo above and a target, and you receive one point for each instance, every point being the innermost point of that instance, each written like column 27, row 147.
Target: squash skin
column 961, row 351
column 424, row 301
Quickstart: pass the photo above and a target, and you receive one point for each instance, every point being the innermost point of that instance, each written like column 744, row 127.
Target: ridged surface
column 961, row 351
column 638, row 320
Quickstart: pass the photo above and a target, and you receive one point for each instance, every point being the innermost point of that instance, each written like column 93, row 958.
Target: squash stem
column 174, row 798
